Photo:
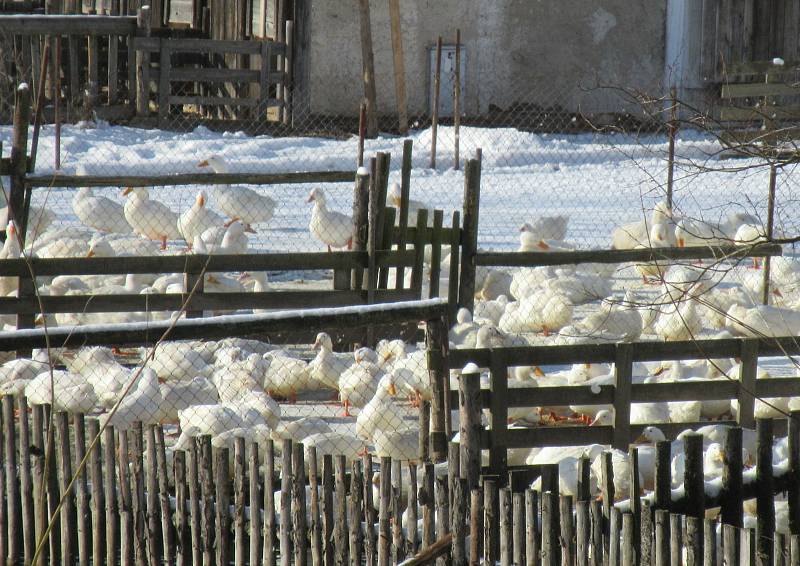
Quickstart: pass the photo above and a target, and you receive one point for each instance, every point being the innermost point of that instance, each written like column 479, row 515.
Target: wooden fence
column 108, row 67
column 744, row 388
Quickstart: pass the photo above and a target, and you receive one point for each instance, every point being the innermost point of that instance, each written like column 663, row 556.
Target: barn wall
column 539, row 51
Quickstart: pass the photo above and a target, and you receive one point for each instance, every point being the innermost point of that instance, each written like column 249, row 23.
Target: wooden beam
column 300, row 59
column 399, row 67
column 68, row 25
column 368, row 68
column 533, row 259
column 224, row 326
column 190, row 179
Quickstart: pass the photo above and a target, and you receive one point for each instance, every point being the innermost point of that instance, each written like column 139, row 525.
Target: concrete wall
column 536, row 51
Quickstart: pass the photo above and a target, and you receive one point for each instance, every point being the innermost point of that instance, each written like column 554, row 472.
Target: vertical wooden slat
column 675, row 540
column 81, row 492
column 747, row 382
column 39, row 485
column 25, row 481
column 646, row 534
column 195, row 503
column 582, row 532
column 112, row 525
column 413, row 531
column 596, row 542
column 182, row 533
column 153, row 511
column 405, row 191
column 239, row 546
column 765, row 499
column 138, row 490
column 614, row 529
column 419, row 252
column 64, row 463
column 437, row 344
column 13, row 501
column 663, row 479
column 384, row 536
column 506, row 528
column 469, row 245
column 398, row 542
column 694, row 541
column 299, row 506
column 623, row 368
column 567, row 529
column 793, row 495
column 367, row 68
column 95, row 467
column 340, row 531
column 709, row 542
column 286, row 504
column 455, row 254
column 498, row 415
column 436, row 254
column 113, row 59
column 268, row 554
column 731, row 492
column 428, row 510
column 207, row 499
column 437, row 77
column 491, row 523
column 164, row 88
column 662, row 538
column 327, row 509
column 459, row 525
column 730, row 544
column 551, row 549
column 165, row 512
column 628, row 552
column 142, row 68
column 255, row 521
column 476, row 530
column 355, row 518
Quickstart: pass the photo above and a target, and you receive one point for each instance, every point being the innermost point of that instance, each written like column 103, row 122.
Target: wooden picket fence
column 112, row 497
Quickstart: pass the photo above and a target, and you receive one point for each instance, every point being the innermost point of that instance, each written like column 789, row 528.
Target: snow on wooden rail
column 308, row 320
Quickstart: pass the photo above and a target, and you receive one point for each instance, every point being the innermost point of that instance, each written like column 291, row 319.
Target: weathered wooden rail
column 745, row 388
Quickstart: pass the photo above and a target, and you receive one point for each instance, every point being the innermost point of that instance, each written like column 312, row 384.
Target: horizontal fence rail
column 744, row 388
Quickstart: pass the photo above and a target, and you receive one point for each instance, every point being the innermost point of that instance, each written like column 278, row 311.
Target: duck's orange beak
column 127, row 191
column 90, row 253
column 310, row 198
column 392, row 389
column 543, row 245
column 203, row 163
column 201, row 200
column 538, row 372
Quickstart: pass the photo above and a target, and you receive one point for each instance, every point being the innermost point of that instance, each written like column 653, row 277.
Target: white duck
column 691, row 232
column 102, row 371
column 633, row 234
column 197, row 219
column 397, row 444
column 150, row 218
column 100, row 213
column 328, row 366
column 546, row 228
column 358, row 384
column 180, row 395
column 11, row 250
column 762, row 320
column 679, row 322
column 240, row 202
column 39, row 220
column 414, row 206
column 70, row 392
column 335, row 444
column 382, row 411
column 543, row 311
column 658, row 237
column 749, row 235
column 298, row 430
column 285, row 376
column 332, row 228
column 229, row 239
column 142, row 403
column 178, row 361
column 464, row 332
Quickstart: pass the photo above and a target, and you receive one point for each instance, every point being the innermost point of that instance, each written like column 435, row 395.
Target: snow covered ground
column 598, row 180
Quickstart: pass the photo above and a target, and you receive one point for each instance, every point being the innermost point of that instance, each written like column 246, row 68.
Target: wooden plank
column 761, row 67
column 67, row 25
column 399, row 66
column 498, row 416
column 469, row 240
column 200, row 179
column 229, row 325
column 550, row 396
column 220, row 101
column 142, row 63
column 558, row 436
column 533, row 259
column 193, row 263
column 747, row 90
column 164, row 69
column 708, row 52
column 436, row 254
column 367, row 67
column 759, row 113
column 747, row 382
column 622, row 395
column 225, row 302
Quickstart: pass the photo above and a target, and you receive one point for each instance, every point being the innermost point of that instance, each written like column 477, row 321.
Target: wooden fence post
column 773, row 177
column 794, row 473
column 300, row 68
column 143, row 64
column 360, row 221
column 765, row 498
column 469, row 249
column 622, row 395
column 437, row 346
column 747, row 382
column 289, row 107
column 19, row 160
column 731, row 493
column 470, row 429
column 437, row 74
column 457, row 105
column 368, row 69
column 399, row 66
column 405, row 190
